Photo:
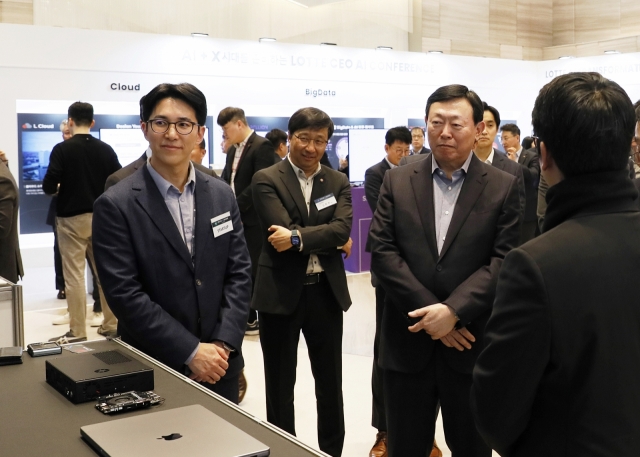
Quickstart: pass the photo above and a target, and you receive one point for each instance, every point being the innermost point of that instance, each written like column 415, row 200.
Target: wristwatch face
column 295, row 240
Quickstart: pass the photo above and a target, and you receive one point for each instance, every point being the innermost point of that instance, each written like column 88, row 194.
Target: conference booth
column 364, row 91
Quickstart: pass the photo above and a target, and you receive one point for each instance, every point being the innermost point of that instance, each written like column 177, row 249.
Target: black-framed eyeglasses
column 162, row 125
column 304, row 142
column 536, row 140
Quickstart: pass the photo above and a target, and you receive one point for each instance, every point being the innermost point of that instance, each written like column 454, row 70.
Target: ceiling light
column 328, row 44
column 199, row 34
column 384, row 48
column 565, row 57
column 612, row 51
column 266, row 39
column 435, row 52
column 299, row 4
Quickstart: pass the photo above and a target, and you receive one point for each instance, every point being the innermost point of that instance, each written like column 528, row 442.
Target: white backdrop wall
column 265, row 79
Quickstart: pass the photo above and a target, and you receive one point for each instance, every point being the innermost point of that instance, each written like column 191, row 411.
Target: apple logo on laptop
column 171, row 437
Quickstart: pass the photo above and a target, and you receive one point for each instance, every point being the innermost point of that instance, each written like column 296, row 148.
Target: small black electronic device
column 85, row 377
column 120, row 402
column 40, row 349
column 11, row 355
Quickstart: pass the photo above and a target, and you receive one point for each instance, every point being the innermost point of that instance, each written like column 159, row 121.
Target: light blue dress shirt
column 445, row 196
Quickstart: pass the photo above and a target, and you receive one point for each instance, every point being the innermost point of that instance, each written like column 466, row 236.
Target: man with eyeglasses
column 248, row 153
column 170, row 250
column 417, row 142
column 305, row 215
column 78, row 169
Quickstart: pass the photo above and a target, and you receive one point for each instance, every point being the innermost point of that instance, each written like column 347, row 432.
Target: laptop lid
column 192, row 431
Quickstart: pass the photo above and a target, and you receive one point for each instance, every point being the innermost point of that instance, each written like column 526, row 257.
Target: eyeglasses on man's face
column 304, row 142
column 162, row 125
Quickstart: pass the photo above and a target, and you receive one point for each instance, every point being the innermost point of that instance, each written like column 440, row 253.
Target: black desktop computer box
column 84, row 377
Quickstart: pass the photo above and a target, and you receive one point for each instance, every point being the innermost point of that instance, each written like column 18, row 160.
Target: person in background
column 10, row 257
column 198, row 153
column 248, row 153
column 417, row 142
column 558, row 373
column 397, row 142
column 78, row 169
column 279, row 140
column 96, row 317
column 530, row 165
column 51, row 220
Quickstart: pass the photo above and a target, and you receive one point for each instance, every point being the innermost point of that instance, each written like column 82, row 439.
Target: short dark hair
column 586, row 123
column 310, row 118
column 417, row 128
column 454, row 91
column 229, row 114
column 277, row 137
column 492, row 110
column 186, row 92
column 527, row 142
column 203, row 144
column 401, row 134
column 511, row 128
column 81, row 113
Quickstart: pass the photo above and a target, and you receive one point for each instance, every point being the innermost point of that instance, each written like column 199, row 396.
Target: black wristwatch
column 295, row 239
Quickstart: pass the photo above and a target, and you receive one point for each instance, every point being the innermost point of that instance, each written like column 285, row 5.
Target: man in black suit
column 397, row 141
column 10, row 257
column 417, row 142
column 558, row 375
column 305, row 214
column 440, row 232
column 485, row 151
column 530, row 164
column 247, row 154
column 170, row 250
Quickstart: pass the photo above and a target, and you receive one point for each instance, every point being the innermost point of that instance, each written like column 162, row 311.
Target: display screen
column 366, row 148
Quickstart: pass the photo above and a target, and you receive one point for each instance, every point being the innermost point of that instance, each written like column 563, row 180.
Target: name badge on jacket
column 221, row 224
column 325, row 202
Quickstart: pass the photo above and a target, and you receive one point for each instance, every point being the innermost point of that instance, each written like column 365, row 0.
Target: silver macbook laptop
column 192, row 431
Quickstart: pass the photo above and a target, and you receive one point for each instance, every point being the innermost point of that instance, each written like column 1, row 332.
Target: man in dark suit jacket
column 248, row 153
column 170, row 250
column 305, row 215
column 397, row 141
column 485, row 151
column 417, row 141
column 134, row 166
column 530, row 165
column 440, row 232
column 558, row 375
column 10, row 258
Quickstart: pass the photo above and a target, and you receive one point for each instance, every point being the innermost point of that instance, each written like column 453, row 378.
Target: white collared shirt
column 236, row 159
column 306, row 186
column 390, row 164
column 518, row 152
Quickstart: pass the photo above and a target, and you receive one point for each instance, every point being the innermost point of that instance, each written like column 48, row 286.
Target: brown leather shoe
column 435, row 451
column 242, row 386
column 379, row 449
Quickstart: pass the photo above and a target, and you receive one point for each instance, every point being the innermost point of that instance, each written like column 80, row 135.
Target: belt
column 313, row 278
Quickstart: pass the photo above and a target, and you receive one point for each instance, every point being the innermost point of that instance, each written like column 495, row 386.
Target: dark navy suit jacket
column 165, row 302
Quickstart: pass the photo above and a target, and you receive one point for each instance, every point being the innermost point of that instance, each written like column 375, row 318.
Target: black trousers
column 253, row 236
column 320, row 319
column 226, row 387
column 378, row 416
column 412, row 402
